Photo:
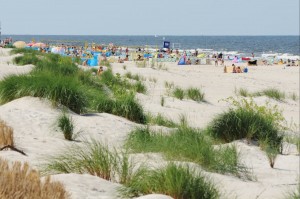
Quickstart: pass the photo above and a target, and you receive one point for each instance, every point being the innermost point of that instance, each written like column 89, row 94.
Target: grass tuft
column 178, row 93
column 271, row 93
column 195, row 94
column 65, row 124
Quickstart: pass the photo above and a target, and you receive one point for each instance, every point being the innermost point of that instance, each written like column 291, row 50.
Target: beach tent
column 19, row 44
column 181, row 61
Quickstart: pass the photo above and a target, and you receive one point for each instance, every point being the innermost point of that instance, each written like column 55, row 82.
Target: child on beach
column 100, row 70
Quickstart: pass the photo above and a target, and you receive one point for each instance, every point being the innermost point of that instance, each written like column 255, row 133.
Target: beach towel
column 181, row 61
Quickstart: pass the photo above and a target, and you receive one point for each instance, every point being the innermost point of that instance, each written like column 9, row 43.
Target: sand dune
column 33, row 121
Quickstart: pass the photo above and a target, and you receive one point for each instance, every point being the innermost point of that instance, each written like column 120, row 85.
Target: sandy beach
column 33, row 122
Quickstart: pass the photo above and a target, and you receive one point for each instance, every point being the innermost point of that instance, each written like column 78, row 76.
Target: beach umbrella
column 19, row 44
column 30, row 44
column 40, row 45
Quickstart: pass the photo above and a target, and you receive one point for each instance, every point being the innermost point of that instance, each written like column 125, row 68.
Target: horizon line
column 135, row 35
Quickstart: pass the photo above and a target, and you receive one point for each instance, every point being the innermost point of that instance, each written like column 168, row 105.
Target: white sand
column 33, row 122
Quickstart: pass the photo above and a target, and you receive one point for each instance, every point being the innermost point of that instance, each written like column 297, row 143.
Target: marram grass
column 187, row 144
column 19, row 181
column 177, row 181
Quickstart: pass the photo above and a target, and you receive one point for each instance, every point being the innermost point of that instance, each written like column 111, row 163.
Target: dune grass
column 19, row 181
column 248, row 120
column 271, row 93
column 93, row 158
column 66, row 125
column 178, row 93
column 26, row 59
column 6, row 135
column 195, row 94
column 177, row 181
column 60, row 80
column 187, row 144
column 160, row 120
column 58, row 89
column 243, row 92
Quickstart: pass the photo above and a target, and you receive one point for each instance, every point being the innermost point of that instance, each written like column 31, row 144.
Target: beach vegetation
column 19, row 181
column 59, row 89
column 294, row 97
column 135, row 77
column 169, row 85
column 60, row 80
column 104, row 63
column 140, row 87
column 23, row 51
column 26, row 59
column 178, row 93
column 177, row 181
column 271, row 152
column 271, row 93
column 195, row 94
column 65, row 124
column 152, row 79
column 9, row 46
column 246, row 119
column 93, row 158
column 6, row 135
column 124, row 67
column 160, row 120
column 294, row 194
column 243, row 92
column 162, row 101
column 200, row 149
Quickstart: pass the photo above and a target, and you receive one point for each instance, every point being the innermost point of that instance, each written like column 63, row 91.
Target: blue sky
column 141, row 17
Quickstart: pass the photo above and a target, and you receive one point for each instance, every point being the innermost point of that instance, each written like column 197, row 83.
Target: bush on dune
column 248, row 120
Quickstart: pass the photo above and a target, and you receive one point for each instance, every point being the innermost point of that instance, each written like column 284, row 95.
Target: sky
column 150, row 17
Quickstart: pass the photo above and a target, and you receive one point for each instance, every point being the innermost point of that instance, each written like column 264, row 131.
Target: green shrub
column 195, row 94
column 248, row 120
column 178, row 93
column 176, row 181
column 65, row 124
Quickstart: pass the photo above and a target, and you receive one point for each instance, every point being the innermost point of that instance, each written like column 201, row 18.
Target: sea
column 245, row 45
